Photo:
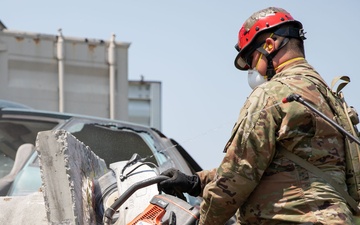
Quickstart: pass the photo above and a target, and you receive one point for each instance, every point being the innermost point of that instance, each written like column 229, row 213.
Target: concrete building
column 75, row 75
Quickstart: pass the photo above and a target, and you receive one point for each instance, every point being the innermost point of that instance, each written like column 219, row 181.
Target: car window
column 14, row 133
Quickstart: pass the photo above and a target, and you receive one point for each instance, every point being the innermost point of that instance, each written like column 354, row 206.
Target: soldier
column 254, row 180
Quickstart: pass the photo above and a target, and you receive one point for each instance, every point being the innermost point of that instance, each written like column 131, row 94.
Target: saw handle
column 112, row 209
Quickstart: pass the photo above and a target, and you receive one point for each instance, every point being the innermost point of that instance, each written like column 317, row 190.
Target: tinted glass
column 14, row 133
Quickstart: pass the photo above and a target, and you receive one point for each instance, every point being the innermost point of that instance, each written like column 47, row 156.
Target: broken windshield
column 115, row 143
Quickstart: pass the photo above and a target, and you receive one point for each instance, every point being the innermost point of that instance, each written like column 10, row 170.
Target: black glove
column 179, row 181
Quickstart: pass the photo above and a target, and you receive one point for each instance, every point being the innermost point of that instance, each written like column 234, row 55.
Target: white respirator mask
column 255, row 78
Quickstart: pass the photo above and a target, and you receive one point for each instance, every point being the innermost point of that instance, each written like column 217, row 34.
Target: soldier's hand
column 179, row 181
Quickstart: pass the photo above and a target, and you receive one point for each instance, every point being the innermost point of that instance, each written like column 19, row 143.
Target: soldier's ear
column 269, row 45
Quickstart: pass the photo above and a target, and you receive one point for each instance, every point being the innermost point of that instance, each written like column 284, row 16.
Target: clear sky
column 189, row 46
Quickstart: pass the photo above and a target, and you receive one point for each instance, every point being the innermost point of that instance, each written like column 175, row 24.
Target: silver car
column 111, row 140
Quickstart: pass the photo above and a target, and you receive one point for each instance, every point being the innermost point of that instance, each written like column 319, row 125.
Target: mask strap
column 265, row 77
column 289, row 61
column 270, row 70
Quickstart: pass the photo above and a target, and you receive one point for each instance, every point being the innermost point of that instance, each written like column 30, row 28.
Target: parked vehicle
column 114, row 141
column 111, row 140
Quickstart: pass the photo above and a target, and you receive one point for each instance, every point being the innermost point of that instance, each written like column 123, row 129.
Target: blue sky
column 189, row 47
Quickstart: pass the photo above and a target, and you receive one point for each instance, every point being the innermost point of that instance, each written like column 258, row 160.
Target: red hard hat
column 256, row 24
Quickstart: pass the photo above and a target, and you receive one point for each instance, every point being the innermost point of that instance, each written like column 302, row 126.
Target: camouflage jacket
column 262, row 186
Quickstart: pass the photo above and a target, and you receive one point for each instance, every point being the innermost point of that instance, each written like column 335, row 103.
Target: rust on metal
column 92, row 47
column 7, row 199
column 19, row 39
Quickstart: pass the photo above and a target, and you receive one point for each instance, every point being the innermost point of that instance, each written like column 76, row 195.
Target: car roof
column 10, row 108
column 9, row 111
column 11, row 104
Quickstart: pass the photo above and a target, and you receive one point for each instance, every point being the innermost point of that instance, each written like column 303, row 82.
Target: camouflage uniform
column 262, row 186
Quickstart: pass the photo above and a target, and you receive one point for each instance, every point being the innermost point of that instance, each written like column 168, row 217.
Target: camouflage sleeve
column 248, row 153
column 205, row 177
